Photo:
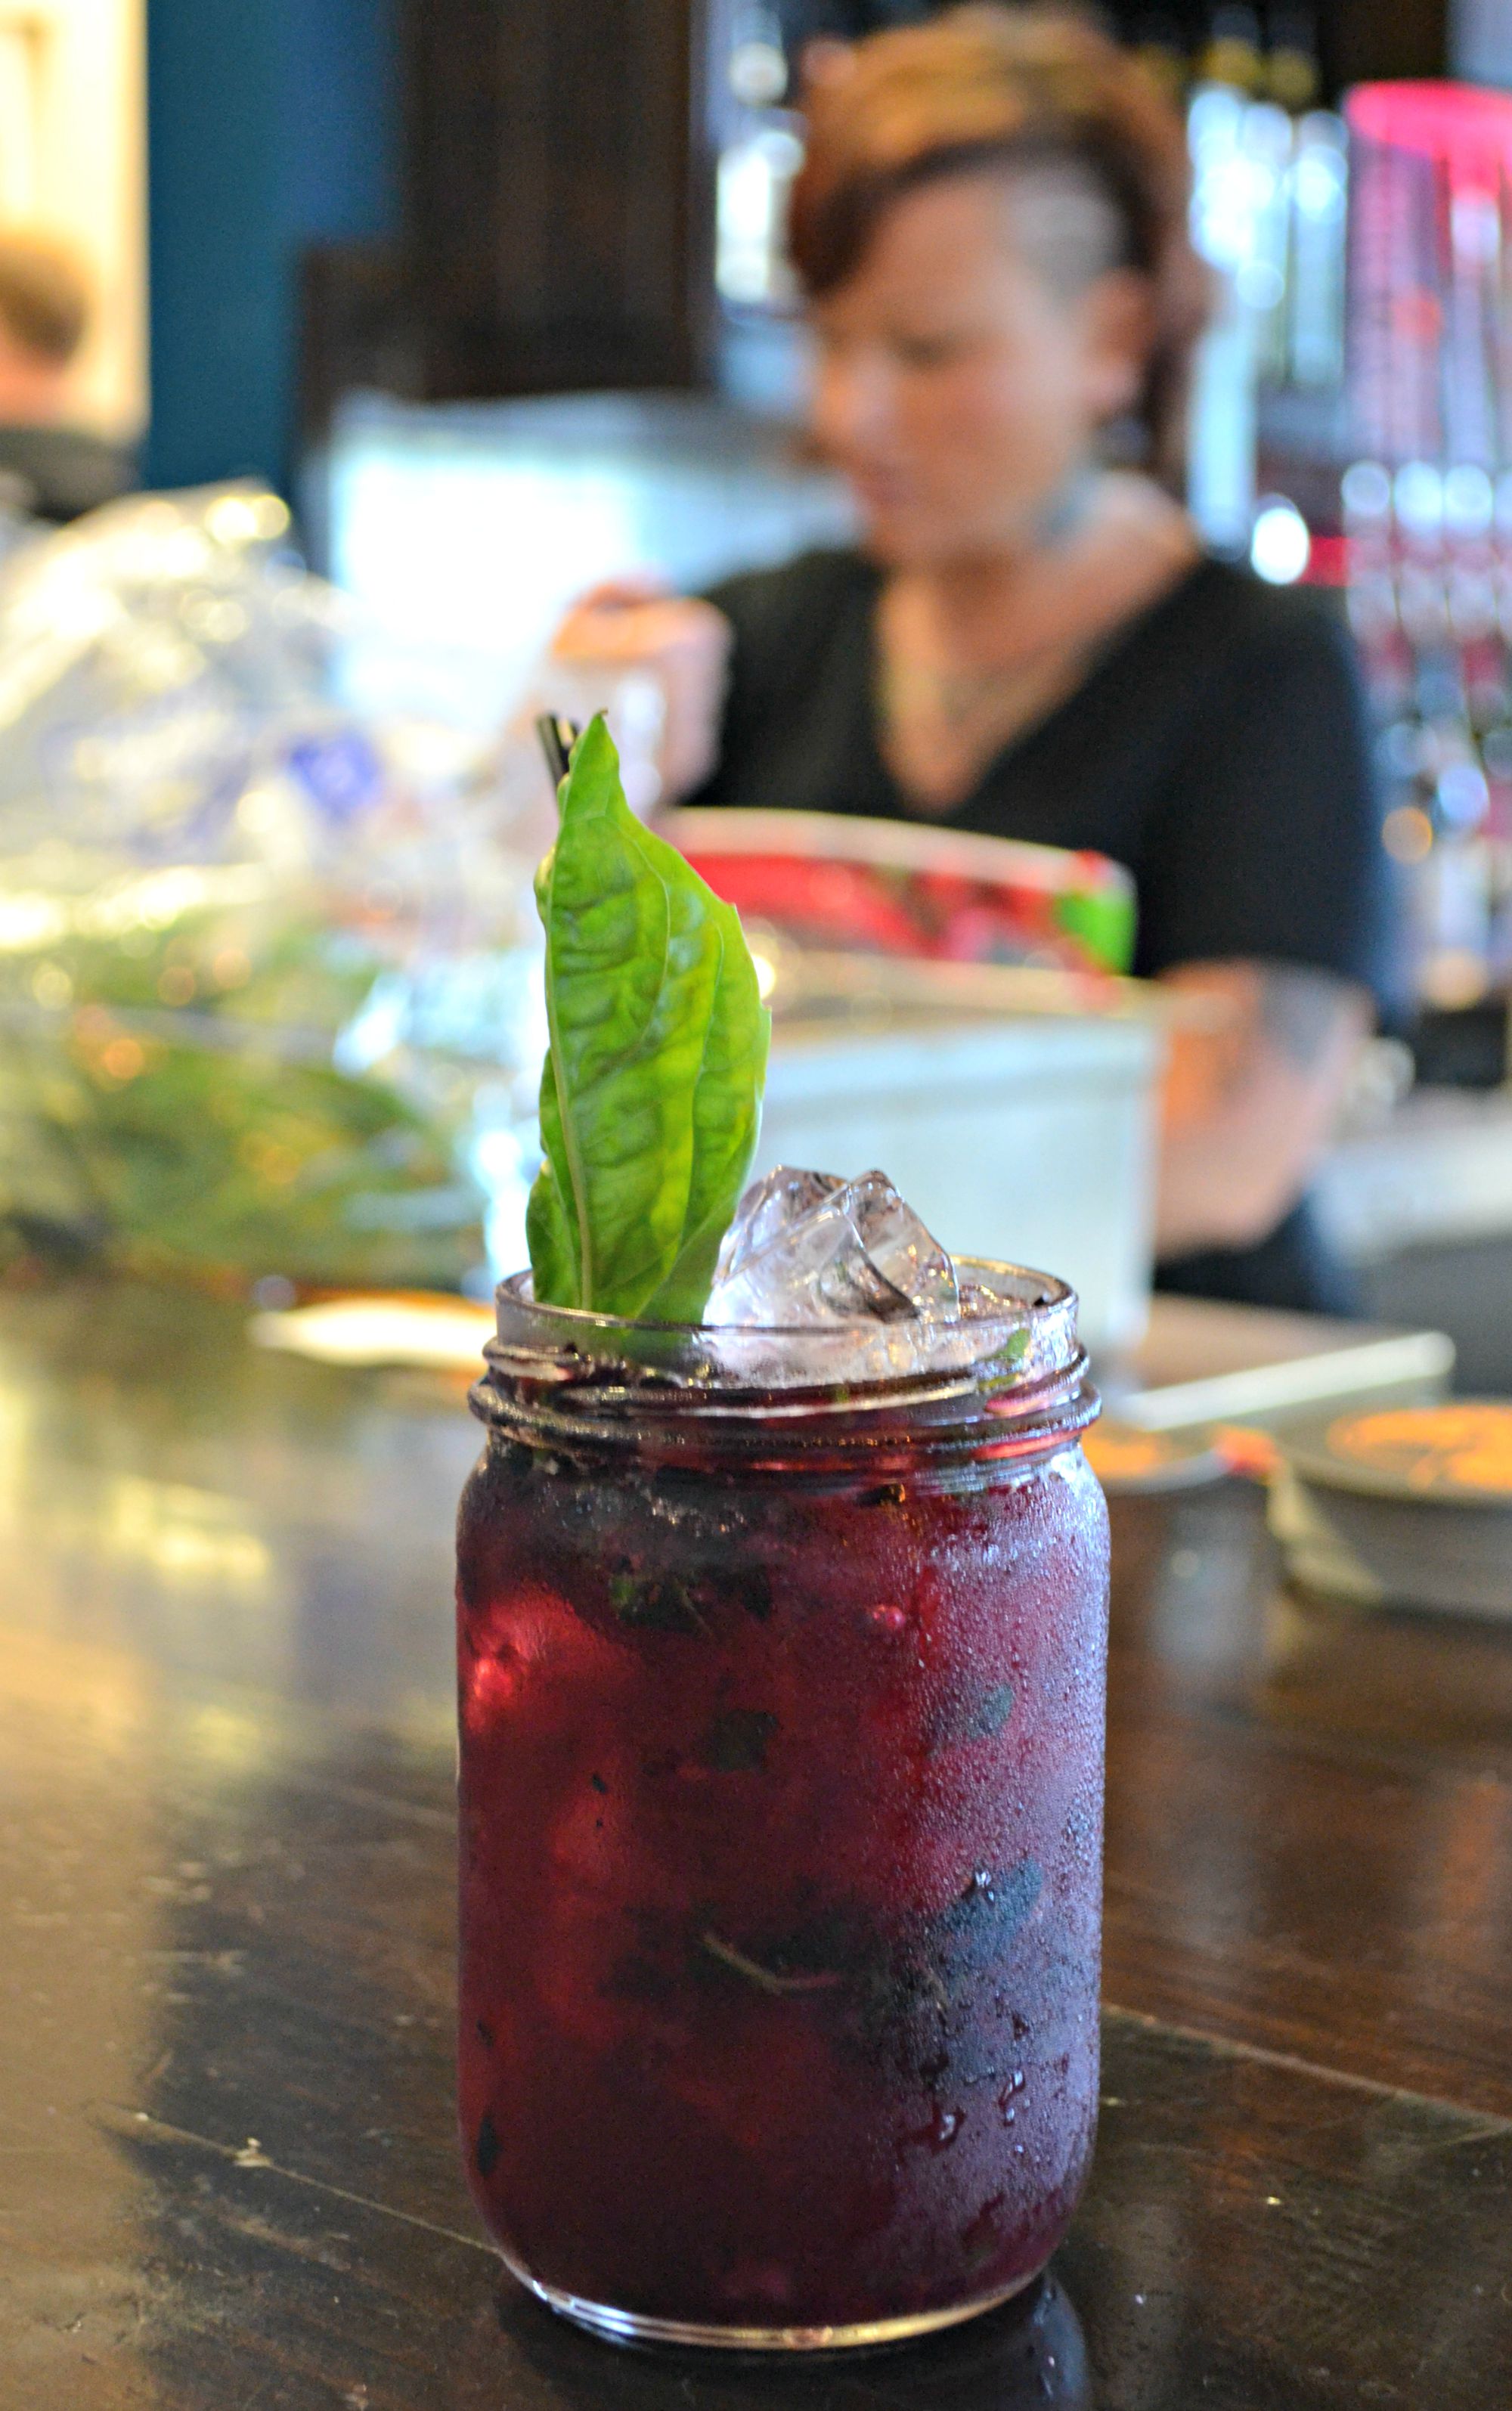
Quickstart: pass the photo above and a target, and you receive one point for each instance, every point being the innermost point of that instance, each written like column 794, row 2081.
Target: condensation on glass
column 781, row 1777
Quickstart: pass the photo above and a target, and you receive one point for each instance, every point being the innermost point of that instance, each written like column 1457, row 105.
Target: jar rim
column 1018, row 1349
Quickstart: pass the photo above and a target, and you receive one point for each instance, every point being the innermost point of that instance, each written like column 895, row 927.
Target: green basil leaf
column 550, row 1228
column 650, row 1100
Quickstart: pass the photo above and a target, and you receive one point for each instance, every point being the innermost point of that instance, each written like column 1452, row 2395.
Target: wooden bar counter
column 229, row 2172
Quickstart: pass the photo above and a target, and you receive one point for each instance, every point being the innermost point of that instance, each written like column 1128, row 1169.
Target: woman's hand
column 1251, row 1097
column 636, row 624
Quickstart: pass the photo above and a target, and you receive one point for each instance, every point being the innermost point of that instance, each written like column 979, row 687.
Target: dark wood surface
column 228, row 2178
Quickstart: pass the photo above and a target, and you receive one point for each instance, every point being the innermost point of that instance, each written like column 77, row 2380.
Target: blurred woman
column 991, row 230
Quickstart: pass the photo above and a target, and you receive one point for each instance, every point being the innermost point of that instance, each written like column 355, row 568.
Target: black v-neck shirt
column 1218, row 747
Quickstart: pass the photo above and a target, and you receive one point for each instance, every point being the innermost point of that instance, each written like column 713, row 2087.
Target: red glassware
column 782, row 1792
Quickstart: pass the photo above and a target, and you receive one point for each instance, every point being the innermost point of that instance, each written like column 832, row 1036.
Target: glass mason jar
column 781, row 1706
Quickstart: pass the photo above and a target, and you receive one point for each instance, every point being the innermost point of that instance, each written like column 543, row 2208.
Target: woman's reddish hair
column 984, row 87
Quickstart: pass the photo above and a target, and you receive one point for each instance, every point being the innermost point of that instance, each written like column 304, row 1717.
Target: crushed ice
column 809, row 1248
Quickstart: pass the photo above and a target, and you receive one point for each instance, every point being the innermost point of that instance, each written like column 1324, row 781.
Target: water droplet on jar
column 940, row 2133
column 927, row 1600
column 1007, row 2098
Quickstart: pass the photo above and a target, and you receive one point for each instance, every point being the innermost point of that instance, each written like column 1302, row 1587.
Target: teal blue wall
column 271, row 124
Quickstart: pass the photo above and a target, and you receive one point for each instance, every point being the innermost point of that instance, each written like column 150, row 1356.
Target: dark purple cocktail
column 782, row 1794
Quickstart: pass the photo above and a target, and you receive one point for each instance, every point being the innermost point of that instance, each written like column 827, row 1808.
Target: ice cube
column 901, row 1248
column 767, row 1210
column 809, row 1248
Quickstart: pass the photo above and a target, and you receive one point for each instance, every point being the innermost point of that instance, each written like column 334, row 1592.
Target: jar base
column 629, row 2327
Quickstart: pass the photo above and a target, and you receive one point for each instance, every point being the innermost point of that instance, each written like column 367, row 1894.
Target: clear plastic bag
column 267, row 992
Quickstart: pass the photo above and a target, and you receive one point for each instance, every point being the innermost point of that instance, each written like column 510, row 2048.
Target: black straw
column 558, row 737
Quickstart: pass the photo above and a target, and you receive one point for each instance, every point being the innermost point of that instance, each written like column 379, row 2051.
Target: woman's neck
column 1089, row 559
column 962, row 599
column 971, row 651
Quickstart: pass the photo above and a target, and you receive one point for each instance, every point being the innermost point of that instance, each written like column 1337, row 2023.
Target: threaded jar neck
column 1008, row 1381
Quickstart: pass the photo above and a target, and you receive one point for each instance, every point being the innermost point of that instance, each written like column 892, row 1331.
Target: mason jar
column 783, row 1678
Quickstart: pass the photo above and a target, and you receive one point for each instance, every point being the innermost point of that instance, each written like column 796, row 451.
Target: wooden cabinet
column 559, row 194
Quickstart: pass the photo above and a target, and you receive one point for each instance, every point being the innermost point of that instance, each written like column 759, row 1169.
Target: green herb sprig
column 652, row 1091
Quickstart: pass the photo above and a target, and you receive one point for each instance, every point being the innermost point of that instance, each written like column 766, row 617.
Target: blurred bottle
column 756, row 136
column 1270, row 213
column 1223, row 443
column 755, row 176
column 1264, row 273
column 757, row 68
column 1231, row 54
column 1424, row 603
column 1160, row 46
column 1292, row 76
column 1319, row 195
column 1271, row 56
column 760, row 154
column 1429, row 518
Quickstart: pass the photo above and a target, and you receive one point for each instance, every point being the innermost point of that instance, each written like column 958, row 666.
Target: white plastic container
column 1030, row 1139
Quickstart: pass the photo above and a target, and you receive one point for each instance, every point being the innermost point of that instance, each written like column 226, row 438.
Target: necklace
column 910, row 688
column 938, row 729
column 940, row 720
column 913, row 690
